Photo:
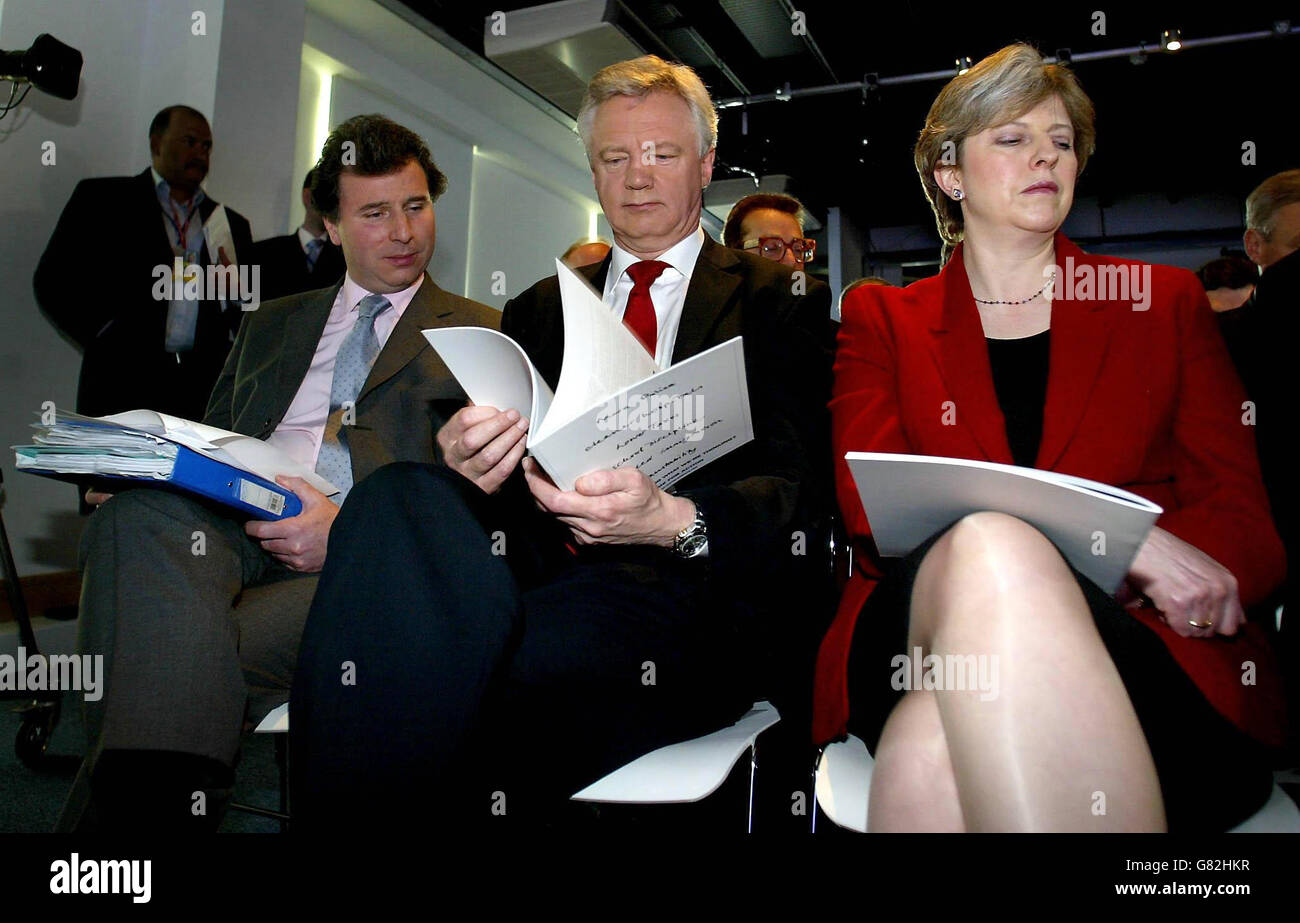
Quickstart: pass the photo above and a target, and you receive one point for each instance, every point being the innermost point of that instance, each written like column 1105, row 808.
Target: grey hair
column 641, row 76
column 1269, row 197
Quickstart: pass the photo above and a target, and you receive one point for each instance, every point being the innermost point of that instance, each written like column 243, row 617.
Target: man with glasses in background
column 768, row 224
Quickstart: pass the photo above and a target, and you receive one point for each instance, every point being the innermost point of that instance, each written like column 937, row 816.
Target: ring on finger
column 1208, row 623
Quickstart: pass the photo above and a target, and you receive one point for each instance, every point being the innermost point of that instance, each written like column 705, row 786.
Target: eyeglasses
column 773, row 248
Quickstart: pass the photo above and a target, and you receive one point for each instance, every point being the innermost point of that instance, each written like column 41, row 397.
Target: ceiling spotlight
column 963, row 64
column 1171, row 39
column 49, row 65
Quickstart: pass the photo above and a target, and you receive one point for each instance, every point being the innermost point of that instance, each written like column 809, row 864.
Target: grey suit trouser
column 197, row 625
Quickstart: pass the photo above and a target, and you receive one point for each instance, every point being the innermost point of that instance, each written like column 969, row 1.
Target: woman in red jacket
column 1142, row 712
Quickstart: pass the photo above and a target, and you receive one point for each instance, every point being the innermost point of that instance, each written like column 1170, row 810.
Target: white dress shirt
column 305, row 237
column 668, row 292
column 300, row 432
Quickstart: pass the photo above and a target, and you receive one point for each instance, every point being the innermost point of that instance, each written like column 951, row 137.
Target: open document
column 612, row 406
column 147, row 446
column 907, row 498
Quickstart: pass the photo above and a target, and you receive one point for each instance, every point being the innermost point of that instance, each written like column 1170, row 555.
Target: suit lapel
column 301, row 334
column 708, row 297
column 427, row 309
column 963, row 357
column 1081, row 332
column 158, row 230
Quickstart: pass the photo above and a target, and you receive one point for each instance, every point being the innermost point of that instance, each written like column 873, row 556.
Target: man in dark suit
column 107, row 278
column 472, row 629
column 301, row 261
column 198, row 614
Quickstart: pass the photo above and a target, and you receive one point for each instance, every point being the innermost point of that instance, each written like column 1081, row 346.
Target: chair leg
column 282, row 762
column 753, row 771
column 817, row 763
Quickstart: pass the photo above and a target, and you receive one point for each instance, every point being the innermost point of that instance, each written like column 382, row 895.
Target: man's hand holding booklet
column 612, row 406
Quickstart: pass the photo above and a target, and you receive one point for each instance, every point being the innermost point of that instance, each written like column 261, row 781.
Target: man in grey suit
column 198, row 615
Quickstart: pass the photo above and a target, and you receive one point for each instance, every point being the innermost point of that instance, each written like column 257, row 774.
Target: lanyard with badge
column 182, row 316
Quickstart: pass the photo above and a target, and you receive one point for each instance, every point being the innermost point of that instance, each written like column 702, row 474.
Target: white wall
column 525, row 192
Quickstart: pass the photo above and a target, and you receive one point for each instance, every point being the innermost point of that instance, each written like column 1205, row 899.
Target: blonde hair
column 1000, row 88
column 1270, row 196
column 641, row 76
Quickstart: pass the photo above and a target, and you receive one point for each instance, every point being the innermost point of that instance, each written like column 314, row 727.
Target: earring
column 957, row 194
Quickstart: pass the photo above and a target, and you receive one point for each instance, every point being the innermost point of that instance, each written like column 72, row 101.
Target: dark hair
column 782, row 203
column 306, row 180
column 1228, row 272
column 163, row 119
column 379, row 146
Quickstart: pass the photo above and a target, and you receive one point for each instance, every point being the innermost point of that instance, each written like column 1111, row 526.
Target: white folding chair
column 688, row 771
column 679, row 773
column 843, row 783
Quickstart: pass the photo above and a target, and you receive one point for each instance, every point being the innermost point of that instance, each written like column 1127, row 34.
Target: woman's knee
column 987, row 557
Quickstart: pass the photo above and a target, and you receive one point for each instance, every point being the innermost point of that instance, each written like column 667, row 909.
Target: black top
column 1020, row 379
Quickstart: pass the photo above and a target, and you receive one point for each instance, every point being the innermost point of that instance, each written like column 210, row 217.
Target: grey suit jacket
column 406, row 399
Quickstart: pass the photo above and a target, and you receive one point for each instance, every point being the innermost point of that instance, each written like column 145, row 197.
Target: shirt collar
column 680, row 256
column 353, row 293
column 165, row 191
column 305, row 237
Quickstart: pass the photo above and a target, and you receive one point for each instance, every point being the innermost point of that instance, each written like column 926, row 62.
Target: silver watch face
column 692, row 545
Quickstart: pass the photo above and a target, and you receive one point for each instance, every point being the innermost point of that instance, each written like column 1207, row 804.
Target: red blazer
column 1146, row 400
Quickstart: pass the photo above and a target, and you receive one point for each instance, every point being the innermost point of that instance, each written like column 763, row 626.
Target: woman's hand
column 1196, row 595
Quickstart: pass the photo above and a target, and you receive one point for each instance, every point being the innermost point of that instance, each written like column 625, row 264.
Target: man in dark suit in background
column 304, row 260
column 107, row 274
column 342, row 381
column 450, row 591
column 1262, row 336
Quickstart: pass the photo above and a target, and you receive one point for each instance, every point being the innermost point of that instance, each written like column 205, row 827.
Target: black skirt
column 1212, row 776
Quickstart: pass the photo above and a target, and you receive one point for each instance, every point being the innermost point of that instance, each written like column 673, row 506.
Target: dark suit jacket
column 1146, row 400
column 283, row 266
column 754, row 498
column 407, row 397
column 96, row 281
column 1262, row 336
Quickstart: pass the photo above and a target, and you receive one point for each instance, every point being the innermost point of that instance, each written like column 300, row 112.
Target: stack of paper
column 81, row 445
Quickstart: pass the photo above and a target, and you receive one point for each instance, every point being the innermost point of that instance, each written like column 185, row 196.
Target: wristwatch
column 693, row 541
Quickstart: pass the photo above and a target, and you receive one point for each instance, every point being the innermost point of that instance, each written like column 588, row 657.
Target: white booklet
column 612, row 407
column 125, row 445
column 907, row 498
column 217, row 234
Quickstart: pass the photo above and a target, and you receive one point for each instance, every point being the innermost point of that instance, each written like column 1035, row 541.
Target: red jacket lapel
column 1081, row 331
column 964, row 363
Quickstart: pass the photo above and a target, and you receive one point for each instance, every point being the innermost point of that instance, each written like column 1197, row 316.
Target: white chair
column 679, row 773
column 842, row 783
column 688, row 771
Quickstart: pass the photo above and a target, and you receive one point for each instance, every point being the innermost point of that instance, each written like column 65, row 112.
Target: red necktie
column 640, row 313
